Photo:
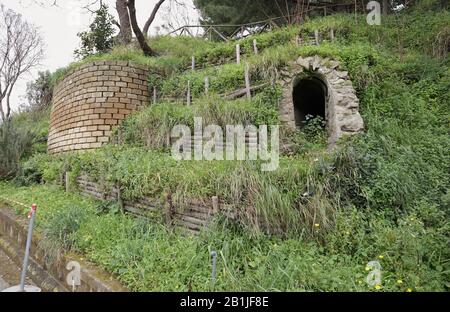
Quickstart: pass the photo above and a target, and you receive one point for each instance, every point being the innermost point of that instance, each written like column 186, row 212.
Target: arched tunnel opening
column 309, row 97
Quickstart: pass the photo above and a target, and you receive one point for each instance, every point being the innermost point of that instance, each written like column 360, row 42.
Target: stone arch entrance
column 317, row 86
column 309, row 97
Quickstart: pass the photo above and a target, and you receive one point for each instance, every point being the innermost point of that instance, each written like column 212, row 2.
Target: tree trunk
column 137, row 31
column 125, row 34
column 385, row 7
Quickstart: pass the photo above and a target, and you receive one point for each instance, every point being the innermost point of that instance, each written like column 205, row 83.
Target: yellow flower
column 317, row 225
column 377, row 287
column 409, row 290
column 367, row 268
column 380, row 256
column 399, row 281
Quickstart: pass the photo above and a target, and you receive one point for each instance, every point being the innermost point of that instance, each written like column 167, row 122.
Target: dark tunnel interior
column 309, row 97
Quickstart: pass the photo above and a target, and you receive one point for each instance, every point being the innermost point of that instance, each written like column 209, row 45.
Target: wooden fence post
column 215, row 204
column 154, row 95
column 193, row 63
column 168, row 209
column 119, row 197
column 255, row 46
column 168, row 139
column 247, row 82
column 316, row 36
column 238, row 53
column 189, row 93
column 67, row 181
column 298, row 40
column 332, row 34
column 206, row 85
column 119, row 137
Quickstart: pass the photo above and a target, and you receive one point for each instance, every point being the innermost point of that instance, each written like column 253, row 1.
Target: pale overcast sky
column 60, row 25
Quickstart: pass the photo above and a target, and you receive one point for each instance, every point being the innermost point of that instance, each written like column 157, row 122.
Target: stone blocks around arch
column 341, row 103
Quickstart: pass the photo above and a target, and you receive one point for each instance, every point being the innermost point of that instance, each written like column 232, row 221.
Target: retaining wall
column 193, row 215
column 49, row 273
column 91, row 100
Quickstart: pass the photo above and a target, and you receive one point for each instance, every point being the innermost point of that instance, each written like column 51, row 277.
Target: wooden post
column 238, row 54
column 154, row 95
column 67, row 181
column 255, row 46
column 206, row 85
column 247, row 82
column 189, row 93
column 119, row 137
column 332, row 34
column 168, row 210
column 316, row 36
column 385, row 7
column 168, row 139
column 193, row 63
column 119, row 197
column 215, row 204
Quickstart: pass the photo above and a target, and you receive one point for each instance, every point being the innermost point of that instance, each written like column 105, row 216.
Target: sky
column 60, row 24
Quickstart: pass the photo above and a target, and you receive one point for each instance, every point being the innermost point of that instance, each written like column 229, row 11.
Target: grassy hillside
column 314, row 223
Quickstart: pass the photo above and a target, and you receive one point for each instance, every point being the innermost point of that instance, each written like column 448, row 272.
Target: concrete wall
column 49, row 273
column 91, row 100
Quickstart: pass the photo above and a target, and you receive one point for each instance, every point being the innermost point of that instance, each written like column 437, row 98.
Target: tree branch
column 152, row 17
column 137, row 31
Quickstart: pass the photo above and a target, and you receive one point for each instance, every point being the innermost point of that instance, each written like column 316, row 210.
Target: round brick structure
column 91, row 100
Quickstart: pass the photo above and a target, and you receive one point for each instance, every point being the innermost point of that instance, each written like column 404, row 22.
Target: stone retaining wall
column 91, row 100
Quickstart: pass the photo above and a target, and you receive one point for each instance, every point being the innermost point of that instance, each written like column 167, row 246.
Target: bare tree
column 137, row 30
column 126, row 10
column 21, row 48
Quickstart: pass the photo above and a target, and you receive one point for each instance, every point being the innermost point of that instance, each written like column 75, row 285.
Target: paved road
column 3, row 284
column 9, row 272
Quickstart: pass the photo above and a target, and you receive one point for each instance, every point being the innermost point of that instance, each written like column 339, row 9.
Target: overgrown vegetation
column 314, row 223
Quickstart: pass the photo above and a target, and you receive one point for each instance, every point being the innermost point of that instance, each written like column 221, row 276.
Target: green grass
column 148, row 257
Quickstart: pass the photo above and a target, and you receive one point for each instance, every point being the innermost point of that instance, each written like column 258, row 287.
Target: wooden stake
column 255, row 46
column 189, row 93
column 238, row 54
column 316, row 36
column 206, row 85
column 193, row 63
column 154, row 95
column 247, row 82
column 332, row 34
column 67, row 181
column 215, row 203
